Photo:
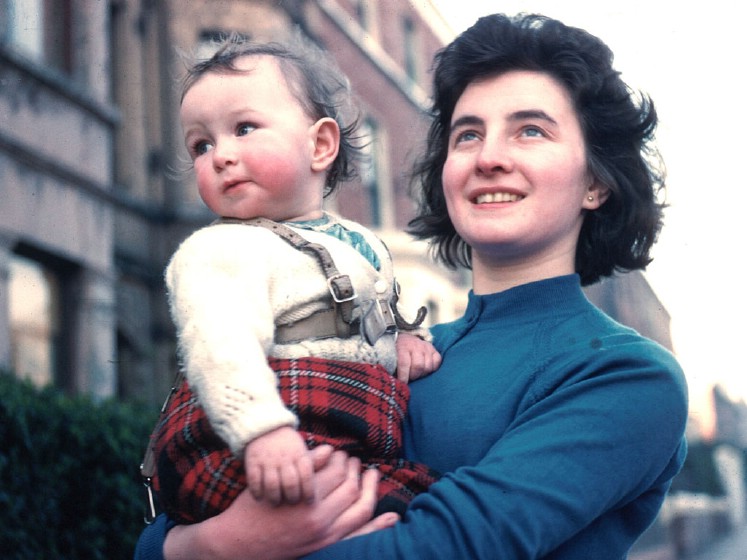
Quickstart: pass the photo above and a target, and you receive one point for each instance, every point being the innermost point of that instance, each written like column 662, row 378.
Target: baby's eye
column 244, row 128
column 200, row 147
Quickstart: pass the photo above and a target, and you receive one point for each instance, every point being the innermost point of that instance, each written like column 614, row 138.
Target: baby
column 286, row 315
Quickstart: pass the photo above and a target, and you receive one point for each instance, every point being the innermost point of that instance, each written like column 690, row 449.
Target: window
column 375, row 176
column 40, row 30
column 370, row 170
column 363, row 12
column 35, row 320
column 366, row 13
column 209, row 39
column 23, row 27
column 411, row 49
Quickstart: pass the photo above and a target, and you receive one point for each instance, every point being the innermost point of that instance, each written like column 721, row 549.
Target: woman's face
column 515, row 178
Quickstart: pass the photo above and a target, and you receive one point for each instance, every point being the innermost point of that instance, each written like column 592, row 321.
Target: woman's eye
column 465, row 136
column 533, row 132
column 244, row 128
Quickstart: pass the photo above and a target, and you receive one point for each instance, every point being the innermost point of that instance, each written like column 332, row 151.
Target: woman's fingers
column 383, row 521
column 361, row 508
column 331, row 474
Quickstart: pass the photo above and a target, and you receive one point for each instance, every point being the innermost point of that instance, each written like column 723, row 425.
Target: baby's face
column 252, row 144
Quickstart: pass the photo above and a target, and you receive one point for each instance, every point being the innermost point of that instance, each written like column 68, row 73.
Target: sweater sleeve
column 220, row 303
column 151, row 541
column 579, row 473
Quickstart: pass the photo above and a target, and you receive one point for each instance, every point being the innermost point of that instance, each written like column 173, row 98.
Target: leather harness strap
column 325, row 323
column 148, row 466
column 337, row 321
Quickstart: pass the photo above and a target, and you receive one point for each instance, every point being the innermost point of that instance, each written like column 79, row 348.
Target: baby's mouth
column 229, row 185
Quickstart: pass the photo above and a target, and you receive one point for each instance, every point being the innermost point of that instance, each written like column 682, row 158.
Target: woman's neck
column 489, row 276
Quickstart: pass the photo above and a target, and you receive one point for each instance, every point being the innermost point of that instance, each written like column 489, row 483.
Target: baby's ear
column 325, row 133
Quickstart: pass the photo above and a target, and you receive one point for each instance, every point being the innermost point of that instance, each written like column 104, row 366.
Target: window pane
column 39, row 29
column 369, row 170
column 26, row 22
column 411, row 49
column 34, row 320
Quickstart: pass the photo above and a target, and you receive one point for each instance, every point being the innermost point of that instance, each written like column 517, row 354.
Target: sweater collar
column 534, row 299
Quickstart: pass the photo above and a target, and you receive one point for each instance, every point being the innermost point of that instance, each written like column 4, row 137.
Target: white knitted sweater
column 229, row 285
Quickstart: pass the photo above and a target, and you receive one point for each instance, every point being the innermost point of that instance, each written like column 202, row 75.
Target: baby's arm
column 416, row 358
column 279, row 467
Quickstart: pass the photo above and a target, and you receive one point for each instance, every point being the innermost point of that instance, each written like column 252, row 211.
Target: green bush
column 69, row 480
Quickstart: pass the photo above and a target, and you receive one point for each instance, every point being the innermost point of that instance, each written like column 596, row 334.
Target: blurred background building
column 96, row 183
column 96, row 193
column 95, row 179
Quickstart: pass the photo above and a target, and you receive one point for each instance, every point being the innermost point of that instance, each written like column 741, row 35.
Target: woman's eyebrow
column 529, row 114
column 523, row 115
column 466, row 120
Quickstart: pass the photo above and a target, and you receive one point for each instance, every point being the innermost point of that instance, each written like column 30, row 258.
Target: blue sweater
column 558, row 429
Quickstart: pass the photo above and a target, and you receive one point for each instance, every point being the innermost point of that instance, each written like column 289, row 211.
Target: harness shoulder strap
column 340, row 285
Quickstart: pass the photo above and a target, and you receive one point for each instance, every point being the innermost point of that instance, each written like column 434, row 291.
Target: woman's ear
column 596, row 195
column 325, row 134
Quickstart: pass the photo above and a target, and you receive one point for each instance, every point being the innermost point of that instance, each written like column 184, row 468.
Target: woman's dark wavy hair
column 618, row 127
column 315, row 80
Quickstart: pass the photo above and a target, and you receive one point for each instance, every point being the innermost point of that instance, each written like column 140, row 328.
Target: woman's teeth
column 497, row 197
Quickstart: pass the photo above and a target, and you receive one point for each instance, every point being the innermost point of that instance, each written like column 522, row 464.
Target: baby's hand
column 279, row 467
column 416, row 358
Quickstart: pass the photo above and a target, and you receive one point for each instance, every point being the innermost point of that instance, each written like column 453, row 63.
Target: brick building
column 95, row 185
column 96, row 190
column 57, row 126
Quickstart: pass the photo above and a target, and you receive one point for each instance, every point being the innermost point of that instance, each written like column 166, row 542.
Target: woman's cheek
column 452, row 176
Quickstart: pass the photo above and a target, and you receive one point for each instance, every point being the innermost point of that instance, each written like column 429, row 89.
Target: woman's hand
column 251, row 529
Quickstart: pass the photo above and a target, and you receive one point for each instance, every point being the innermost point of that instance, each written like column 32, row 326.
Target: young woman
column 558, row 430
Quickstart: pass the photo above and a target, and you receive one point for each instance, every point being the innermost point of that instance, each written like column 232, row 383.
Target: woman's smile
column 496, row 197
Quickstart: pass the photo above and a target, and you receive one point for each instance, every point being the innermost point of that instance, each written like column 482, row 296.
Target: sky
column 686, row 59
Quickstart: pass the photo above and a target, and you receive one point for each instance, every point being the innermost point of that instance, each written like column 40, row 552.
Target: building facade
column 96, row 187
column 384, row 47
column 57, row 125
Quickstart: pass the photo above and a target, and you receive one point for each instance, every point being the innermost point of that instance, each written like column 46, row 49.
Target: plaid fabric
column 355, row 407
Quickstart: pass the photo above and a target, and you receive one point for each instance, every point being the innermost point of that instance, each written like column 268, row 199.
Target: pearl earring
column 590, row 198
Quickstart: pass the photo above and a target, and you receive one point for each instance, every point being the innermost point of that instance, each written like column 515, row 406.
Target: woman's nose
column 494, row 156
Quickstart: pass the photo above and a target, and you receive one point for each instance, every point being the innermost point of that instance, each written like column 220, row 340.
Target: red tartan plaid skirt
column 358, row 408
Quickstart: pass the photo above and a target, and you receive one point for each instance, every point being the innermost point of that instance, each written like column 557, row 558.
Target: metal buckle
column 386, row 312
column 335, row 296
column 150, row 511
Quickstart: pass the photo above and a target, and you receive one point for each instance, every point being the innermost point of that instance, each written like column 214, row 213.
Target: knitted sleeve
column 218, row 283
column 150, row 543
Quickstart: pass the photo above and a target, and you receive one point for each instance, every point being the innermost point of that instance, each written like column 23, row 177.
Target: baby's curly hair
column 314, row 79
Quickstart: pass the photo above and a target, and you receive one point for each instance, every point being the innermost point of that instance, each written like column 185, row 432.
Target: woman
column 558, row 429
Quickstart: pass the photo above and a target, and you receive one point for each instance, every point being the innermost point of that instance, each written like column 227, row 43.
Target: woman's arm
column 344, row 504
column 578, row 474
